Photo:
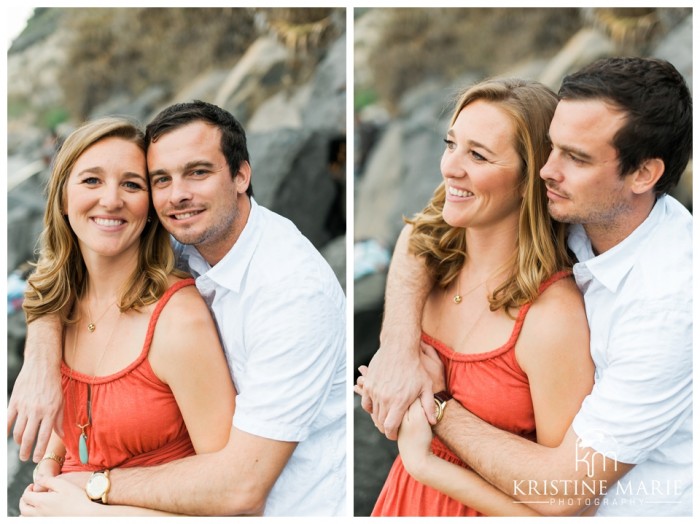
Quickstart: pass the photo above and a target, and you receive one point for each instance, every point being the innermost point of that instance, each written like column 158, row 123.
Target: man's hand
column 391, row 383
column 35, row 408
column 433, row 366
column 36, row 404
column 395, row 377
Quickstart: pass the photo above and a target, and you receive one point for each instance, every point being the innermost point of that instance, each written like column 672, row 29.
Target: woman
column 144, row 378
column 504, row 317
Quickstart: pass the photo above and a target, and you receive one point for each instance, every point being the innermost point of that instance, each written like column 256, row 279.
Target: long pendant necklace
column 82, row 439
column 83, row 452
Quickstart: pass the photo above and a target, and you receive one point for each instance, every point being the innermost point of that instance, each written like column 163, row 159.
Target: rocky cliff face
column 286, row 85
column 280, row 71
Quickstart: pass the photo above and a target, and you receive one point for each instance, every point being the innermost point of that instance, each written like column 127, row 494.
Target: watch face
column 97, row 485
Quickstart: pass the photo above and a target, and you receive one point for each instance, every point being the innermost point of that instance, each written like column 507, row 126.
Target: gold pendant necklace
column 92, row 325
column 457, row 299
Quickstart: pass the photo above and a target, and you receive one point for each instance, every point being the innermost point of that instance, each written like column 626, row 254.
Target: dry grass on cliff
column 446, row 43
column 124, row 51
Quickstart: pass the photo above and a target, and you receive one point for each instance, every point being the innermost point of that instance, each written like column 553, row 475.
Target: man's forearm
column 43, row 347
column 233, row 481
column 395, row 376
column 535, row 474
column 407, row 288
column 196, row 485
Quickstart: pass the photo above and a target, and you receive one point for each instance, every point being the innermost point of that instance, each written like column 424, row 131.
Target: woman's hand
column 360, row 385
column 55, row 497
column 433, row 365
column 45, row 468
column 415, row 436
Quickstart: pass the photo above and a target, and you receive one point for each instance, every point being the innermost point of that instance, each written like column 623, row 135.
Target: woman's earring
column 148, row 219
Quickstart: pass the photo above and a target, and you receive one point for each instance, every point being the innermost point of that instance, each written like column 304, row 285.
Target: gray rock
column 202, row 87
column 282, row 110
column 254, row 78
column 378, row 188
column 334, row 253
column 291, row 176
column 19, row 476
column 677, row 48
column 374, row 455
column 140, row 107
column 25, row 211
column 326, row 104
column 583, row 48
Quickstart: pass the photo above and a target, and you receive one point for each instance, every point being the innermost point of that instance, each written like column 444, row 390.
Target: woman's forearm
column 468, row 488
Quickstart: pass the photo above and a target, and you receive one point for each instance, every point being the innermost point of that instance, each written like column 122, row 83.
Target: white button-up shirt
column 280, row 312
column 638, row 298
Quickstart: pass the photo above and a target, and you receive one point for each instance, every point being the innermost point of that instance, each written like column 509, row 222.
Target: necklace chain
column 457, row 299
column 92, row 325
column 82, row 439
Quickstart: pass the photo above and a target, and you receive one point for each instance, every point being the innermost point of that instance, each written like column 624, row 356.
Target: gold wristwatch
column 98, row 486
column 440, row 400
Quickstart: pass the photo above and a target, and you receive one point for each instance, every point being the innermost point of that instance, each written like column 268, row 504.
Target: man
column 621, row 137
column 281, row 315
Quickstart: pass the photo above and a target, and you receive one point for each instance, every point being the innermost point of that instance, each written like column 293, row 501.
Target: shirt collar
column 230, row 270
column 611, row 267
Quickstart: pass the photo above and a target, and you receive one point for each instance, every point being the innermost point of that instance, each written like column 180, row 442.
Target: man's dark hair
column 658, row 107
column 233, row 140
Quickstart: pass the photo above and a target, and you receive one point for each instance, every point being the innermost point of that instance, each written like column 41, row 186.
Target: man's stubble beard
column 214, row 234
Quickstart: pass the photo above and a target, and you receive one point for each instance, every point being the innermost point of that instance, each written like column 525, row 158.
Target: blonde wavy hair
column 60, row 275
column 541, row 246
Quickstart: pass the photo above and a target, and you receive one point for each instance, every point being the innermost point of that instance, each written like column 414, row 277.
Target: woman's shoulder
column 555, row 326
column 561, row 293
column 185, row 332
column 184, row 305
column 558, row 310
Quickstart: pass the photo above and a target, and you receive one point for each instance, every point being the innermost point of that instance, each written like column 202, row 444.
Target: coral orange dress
column 493, row 387
column 135, row 418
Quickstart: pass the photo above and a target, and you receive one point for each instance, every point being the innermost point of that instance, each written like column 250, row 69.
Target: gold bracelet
column 50, row 456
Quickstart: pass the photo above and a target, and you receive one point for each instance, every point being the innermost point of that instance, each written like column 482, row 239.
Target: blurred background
column 409, row 65
column 280, row 71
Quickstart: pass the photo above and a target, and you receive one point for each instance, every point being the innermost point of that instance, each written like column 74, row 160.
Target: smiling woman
column 130, row 323
column 106, row 200
column 501, row 274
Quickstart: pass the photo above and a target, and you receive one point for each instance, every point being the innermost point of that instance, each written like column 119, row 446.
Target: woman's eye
column 91, row 181
column 449, row 144
column 133, row 185
column 477, row 156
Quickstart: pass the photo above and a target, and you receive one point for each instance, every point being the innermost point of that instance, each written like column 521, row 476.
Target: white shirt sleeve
column 294, row 338
column 644, row 393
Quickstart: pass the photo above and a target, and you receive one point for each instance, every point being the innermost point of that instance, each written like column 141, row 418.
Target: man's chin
column 187, row 238
column 558, row 214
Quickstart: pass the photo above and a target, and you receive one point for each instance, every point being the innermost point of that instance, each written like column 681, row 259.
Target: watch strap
column 443, row 396
column 440, row 400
